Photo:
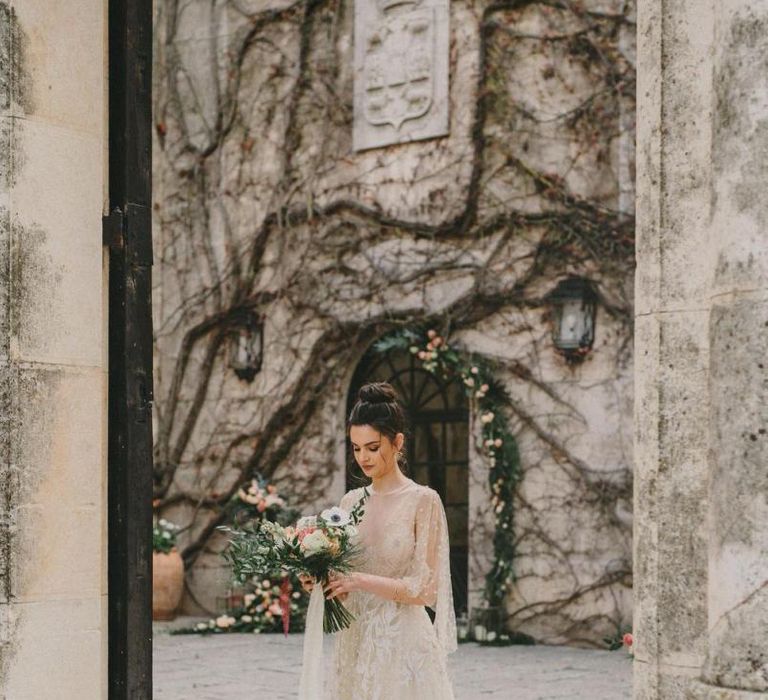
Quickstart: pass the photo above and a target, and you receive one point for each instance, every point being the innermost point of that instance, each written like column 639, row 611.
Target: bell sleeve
column 428, row 581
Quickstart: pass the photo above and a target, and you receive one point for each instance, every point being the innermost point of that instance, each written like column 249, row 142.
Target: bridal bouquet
column 316, row 546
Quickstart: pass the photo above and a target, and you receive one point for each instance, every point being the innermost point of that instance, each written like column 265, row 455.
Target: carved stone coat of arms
column 401, row 71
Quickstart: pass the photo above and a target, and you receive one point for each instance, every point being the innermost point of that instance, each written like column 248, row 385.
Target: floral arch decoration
column 488, row 398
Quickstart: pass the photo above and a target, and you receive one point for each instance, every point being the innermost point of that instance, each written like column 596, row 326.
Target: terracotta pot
column 167, row 584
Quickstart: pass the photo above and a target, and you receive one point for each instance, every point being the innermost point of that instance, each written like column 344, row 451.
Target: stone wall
column 701, row 551
column 262, row 201
column 53, row 608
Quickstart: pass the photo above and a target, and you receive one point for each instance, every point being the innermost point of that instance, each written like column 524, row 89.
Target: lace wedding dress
column 393, row 651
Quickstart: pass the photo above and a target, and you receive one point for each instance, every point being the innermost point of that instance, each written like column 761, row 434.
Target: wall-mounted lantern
column 574, row 306
column 246, row 345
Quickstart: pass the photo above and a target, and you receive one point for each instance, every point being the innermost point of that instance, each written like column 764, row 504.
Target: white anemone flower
column 335, row 516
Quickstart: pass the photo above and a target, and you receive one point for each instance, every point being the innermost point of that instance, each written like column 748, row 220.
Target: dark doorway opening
column 438, row 448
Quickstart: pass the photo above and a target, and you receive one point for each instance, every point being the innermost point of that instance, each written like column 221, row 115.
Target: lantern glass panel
column 575, row 324
column 245, row 348
column 240, row 350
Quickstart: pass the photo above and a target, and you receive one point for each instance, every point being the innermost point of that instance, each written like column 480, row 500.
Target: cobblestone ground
column 230, row 667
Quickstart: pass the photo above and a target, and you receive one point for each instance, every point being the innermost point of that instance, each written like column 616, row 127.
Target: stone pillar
column 737, row 657
column 53, row 612
column 701, row 489
column 671, row 347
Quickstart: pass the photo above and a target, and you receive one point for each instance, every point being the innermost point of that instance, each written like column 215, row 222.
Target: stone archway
column 438, row 447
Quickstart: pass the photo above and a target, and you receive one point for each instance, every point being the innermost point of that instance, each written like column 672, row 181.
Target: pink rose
column 306, row 531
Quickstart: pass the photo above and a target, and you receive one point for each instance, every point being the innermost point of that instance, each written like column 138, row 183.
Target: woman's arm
column 394, row 589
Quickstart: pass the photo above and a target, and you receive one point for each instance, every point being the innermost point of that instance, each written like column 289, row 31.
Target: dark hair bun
column 377, row 392
column 378, row 405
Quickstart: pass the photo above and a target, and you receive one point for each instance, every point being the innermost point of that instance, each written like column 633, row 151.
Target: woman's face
column 375, row 453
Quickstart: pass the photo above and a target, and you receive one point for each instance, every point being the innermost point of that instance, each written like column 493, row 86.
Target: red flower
column 627, row 639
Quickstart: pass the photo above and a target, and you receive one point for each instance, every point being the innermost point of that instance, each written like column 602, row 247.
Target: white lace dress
column 393, row 651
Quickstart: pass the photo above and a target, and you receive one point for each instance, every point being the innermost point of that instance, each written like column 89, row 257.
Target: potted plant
column 167, row 571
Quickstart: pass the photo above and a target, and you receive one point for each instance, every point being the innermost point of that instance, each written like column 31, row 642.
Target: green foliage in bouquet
column 317, row 546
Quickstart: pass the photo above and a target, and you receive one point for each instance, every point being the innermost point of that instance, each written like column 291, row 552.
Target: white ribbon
column 312, row 670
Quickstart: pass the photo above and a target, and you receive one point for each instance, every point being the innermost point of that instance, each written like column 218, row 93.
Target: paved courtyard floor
column 234, row 666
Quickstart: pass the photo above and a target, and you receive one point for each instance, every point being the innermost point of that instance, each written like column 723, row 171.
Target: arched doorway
column 438, row 448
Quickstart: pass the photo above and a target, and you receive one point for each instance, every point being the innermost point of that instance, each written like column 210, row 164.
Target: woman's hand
column 341, row 585
column 307, row 582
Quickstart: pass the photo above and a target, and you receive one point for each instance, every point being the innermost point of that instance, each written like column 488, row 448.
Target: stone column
column 737, row 657
column 701, row 524
column 53, row 611
column 671, row 347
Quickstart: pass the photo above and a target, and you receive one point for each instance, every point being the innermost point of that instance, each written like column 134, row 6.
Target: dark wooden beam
column 129, row 240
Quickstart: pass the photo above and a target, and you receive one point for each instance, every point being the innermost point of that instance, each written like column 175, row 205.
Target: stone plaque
column 401, row 71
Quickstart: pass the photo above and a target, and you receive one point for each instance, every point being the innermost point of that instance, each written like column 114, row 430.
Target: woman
column 393, row 651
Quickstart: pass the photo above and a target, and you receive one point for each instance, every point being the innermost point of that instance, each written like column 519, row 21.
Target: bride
column 393, row 651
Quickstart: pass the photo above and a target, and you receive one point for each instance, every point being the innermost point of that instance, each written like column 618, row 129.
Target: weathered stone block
column 701, row 691
column 56, row 277
column 738, row 601
column 73, row 84
column 59, row 518
column 65, row 638
column 671, row 434
column 401, row 71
